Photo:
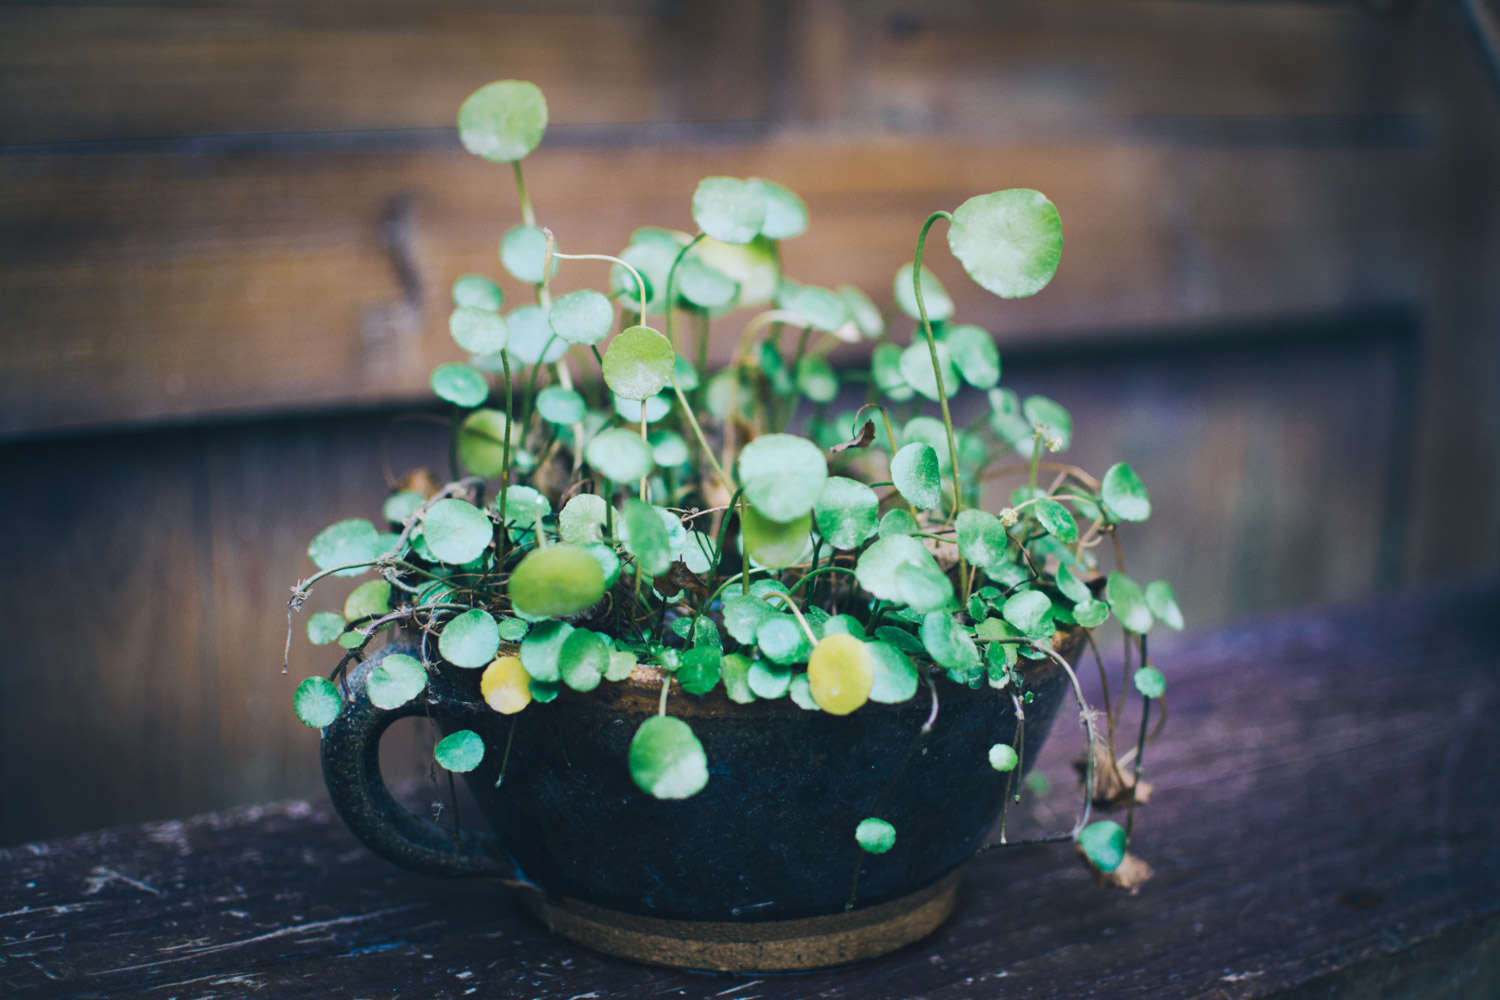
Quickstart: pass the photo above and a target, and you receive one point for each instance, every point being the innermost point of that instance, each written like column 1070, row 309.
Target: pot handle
column 351, row 770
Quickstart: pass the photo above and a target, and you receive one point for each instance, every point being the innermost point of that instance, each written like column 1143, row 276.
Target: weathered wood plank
column 1319, row 820
column 82, row 73
column 1074, row 67
column 143, row 287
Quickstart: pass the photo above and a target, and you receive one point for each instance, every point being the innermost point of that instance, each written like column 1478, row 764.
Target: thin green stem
column 937, row 372
column 702, row 441
column 792, row 606
column 671, row 294
column 528, row 215
column 640, row 283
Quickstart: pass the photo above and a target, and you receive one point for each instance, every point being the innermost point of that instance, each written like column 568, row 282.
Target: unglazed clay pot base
column 757, row 946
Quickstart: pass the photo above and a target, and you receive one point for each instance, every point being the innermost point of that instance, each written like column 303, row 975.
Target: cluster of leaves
column 665, row 522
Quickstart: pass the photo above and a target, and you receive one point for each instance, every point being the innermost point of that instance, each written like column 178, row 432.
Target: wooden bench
column 1325, row 823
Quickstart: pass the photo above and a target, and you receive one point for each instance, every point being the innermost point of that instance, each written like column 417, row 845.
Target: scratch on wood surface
column 218, row 979
column 57, row 910
column 1240, row 977
column 294, row 929
column 742, row 986
column 102, row 876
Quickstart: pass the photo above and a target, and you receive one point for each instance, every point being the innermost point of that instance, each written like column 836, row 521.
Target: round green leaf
column 581, row 317
column 1051, row 420
column 1163, row 604
column 699, row 673
column 846, row 512
column 816, row 379
column 645, row 537
column 743, row 614
column 476, row 330
column 582, row 519
column 1150, row 682
column 481, row 443
column 400, row 506
column 898, row 521
column 666, row 759
column 460, row 384
column 895, row 676
column 875, row 835
column 1072, row 588
column 734, row 671
column 914, row 470
column 561, row 579
column 774, row 544
column 1027, row 611
column 1103, row 843
column 704, row 285
column 1128, row 603
column 1091, row 613
column 948, row 644
column 1010, row 242
column 316, row 702
column 769, row 680
column 981, row 538
column 630, row 410
column 370, row 599
column 668, row 449
column 876, row 569
column 475, row 291
column 324, row 627
column 924, row 587
column 531, row 338
column 619, row 455
column 1003, row 758
column 583, row 659
column 786, row 215
column 916, row 369
column 885, row 370
column 975, row 355
column 931, row 431
column 503, row 121
column 782, row 639
column 346, row 543
column 729, row 209
column 622, row 664
column 782, row 475
column 755, row 267
column 470, row 640
column 819, row 308
column 560, row 406
column 396, row 680
column 862, row 311
column 523, row 251
column 541, row 650
column 459, row 752
column 1124, row 494
column 1057, row 520
column 801, row 694
column 939, row 304
column 456, row 531
column 638, row 363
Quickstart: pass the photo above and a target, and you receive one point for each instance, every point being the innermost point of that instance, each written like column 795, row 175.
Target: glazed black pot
column 755, row 872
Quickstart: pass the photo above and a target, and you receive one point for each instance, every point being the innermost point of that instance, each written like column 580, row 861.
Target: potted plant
column 737, row 663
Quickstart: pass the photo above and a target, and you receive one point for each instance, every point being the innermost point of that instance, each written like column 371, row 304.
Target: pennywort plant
column 771, row 529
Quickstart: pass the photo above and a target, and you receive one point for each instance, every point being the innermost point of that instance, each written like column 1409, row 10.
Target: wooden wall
column 227, row 230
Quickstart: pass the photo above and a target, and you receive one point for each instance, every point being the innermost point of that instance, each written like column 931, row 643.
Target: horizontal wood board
column 1310, row 834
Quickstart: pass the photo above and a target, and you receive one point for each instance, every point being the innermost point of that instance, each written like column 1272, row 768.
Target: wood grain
column 1309, row 835
column 230, row 299
column 154, row 72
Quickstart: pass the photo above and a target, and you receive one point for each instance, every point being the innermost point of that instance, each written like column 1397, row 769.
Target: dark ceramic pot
column 756, row 871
